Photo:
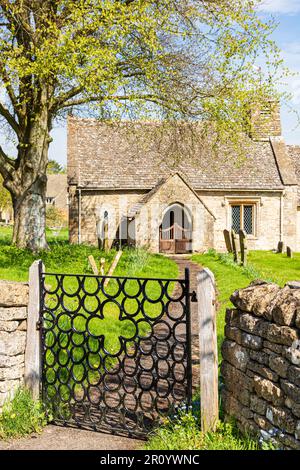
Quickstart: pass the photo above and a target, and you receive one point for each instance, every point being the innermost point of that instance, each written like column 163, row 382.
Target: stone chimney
column 265, row 121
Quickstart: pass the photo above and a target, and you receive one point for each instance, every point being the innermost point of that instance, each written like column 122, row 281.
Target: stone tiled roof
column 56, row 184
column 133, row 211
column 103, row 156
column 294, row 153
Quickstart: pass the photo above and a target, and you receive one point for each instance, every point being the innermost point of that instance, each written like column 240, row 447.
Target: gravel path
column 194, row 268
column 67, row 438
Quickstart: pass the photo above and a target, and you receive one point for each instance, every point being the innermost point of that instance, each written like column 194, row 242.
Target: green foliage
column 55, row 168
column 137, row 259
column 276, row 266
column 183, row 433
column 227, row 260
column 55, row 217
column 176, row 57
column 22, row 415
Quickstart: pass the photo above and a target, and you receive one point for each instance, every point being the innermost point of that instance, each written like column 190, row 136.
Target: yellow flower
column 13, row 415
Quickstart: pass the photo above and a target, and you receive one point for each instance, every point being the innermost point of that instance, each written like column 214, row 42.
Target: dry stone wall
column 13, row 324
column 261, row 362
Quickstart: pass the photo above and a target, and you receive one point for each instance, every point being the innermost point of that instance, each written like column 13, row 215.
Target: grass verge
column 183, row 433
column 21, row 416
column 229, row 276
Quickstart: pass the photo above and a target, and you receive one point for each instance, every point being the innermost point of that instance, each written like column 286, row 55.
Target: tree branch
column 6, row 164
column 12, row 96
column 147, row 97
column 10, row 119
column 59, row 101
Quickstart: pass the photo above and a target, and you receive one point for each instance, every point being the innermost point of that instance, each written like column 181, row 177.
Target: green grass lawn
column 184, row 433
column 229, row 276
column 276, row 267
column 63, row 258
column 66, row 258
column 73, row 259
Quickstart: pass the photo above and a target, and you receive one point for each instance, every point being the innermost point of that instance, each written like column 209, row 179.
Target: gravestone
column 227, row 240
column 234, row 246
column 243, row 247
column 280, row 247
column 289, row 252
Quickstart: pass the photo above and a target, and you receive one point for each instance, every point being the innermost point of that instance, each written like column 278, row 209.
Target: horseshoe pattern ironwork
column 115, row 358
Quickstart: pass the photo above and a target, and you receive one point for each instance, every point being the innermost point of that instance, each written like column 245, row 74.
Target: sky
column 287, row 37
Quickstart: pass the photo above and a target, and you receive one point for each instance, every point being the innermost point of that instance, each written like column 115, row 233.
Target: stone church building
column 134, row 190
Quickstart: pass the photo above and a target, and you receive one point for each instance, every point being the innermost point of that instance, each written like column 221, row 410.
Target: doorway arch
column 175, row 231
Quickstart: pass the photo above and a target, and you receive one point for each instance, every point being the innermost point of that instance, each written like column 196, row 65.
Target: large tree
column 5, row 199
column 184, row 59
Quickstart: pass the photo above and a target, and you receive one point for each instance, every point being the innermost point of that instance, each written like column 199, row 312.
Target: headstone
column 234, row 246
column 227, row 240
column 243, row 247
column 280, row 247
column 289, row 252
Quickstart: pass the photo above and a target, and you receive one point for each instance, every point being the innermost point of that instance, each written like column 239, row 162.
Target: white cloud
column 291, row 56
column 280, row 6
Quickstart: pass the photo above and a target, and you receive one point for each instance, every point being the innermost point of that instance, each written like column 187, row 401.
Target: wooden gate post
column 33, row 362
column 206, row 294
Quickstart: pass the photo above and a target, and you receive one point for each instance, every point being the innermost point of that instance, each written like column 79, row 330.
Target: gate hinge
column 38, row 325
column 193, row 296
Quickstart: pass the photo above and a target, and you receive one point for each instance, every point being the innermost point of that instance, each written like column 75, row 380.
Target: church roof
column 135, row 209
column 105, row 156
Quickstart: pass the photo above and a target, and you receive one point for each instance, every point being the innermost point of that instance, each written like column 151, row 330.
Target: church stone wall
column 268, row 213
column 209, row 220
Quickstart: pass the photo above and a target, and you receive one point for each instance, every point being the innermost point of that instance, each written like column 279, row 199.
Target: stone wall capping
column 13, row 294
column 293, row 284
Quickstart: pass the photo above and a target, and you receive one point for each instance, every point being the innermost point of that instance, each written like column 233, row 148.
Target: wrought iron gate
column 116, row 350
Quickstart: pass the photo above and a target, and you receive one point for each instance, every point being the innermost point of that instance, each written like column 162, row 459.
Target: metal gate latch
column 193, row 296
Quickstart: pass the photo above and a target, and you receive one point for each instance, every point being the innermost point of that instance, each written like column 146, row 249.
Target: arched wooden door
column 175, row 231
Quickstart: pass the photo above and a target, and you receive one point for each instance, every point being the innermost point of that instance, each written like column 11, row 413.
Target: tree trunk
column 30, row 217
column 27, row 183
